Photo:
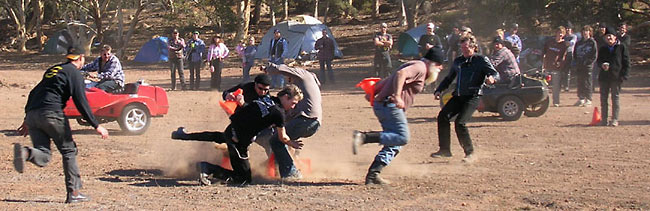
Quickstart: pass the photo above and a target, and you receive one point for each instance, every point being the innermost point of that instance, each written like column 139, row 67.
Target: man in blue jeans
column 471, row 71
column 303, row 121
column 394, row 95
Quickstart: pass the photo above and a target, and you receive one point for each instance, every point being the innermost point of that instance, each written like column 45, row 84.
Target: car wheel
column 510, row 108
column 537, row 109
column 135, row 119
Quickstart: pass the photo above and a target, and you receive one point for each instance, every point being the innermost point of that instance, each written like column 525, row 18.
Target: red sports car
column 132, row 107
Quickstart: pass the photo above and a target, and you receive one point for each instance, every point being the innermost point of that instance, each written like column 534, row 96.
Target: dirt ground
column 554, row 161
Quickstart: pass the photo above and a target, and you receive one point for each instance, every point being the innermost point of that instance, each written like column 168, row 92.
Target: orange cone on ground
column 230, row 106
column 225, row 162
column 270, row 166
column 595, row 120
column 368, row 85
column 304, row 164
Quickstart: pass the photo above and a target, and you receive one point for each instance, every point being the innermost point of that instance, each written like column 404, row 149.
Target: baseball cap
column 276, row 31
column 263, row 79
column 384, row 25
column 465, row 28
column 497, row 39
column 195, row 32
column 431, row 25
column 610, row 30
column 74, row 53
column 435, row 55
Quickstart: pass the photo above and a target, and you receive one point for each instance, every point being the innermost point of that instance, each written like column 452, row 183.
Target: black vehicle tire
column 536, row 110
column 135, row 119
column 510, row 108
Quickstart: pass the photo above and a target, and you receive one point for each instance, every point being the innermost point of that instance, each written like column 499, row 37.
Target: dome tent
column 155, row 50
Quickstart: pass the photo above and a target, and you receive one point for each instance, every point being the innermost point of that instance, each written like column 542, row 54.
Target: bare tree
column 272, row 9
column 255, row 20
column 315, row 8
column 16, row 10
column 37, row 8
column 286, row 9
column 402, row 17
column 123, row 40
column 375, row 8
column 243, row 14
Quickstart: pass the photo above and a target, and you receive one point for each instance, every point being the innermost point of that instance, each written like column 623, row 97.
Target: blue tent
column 407, row 43
column 153, row 51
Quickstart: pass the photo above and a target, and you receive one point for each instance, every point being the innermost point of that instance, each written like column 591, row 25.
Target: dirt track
column 551, row 162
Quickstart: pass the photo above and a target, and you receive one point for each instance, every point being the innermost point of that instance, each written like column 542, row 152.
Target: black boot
column 373, row 174
column 180, row 134
column 360, row 138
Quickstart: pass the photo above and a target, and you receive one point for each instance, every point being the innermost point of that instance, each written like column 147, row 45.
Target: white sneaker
column 580, row 102
column 587, row 103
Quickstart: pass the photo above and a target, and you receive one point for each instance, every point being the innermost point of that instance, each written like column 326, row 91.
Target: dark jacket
column 470, row 75
column 619, row 63
column 59, row 83
column 325, row 47
column 431, row 39
column 585, row 53
column 276, row 49
column 248, row 90
column 626, row 40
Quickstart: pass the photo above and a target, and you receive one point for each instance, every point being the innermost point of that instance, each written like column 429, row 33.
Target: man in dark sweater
column 45, row 122
column 245, row 124
column 429, row 40
column 584, row 58
column 614, row 62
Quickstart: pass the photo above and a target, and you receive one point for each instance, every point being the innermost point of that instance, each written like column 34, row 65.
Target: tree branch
column 77, row 23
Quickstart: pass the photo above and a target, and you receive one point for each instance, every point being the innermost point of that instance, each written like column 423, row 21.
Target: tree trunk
column 327, row 9
column 402, row 17
column 375, row 9
column 272, row 9
column 316, row 9
column 286, row 10
column 134, row 23
column 243, row 10
column 17, row 13
column 257, row 12
column 120, row 24
column 37, row 6
column 96, row 13
column 411, row 13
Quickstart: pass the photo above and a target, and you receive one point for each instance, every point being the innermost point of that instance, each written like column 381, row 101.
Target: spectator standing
column 465, row 98
column 325, row 47
column 176, row 46
column 429, row 40
column 109, row 70
column 383, row 43
column 600, row 42
column 195, row 49
column 217, row 54
column 277, row 53
column 504, row 61
column 554, row 55
column 45, row 122
column 452, row 43
column 249, row 58
column 393, row 96
column 513, row 38
column 614, row 62
column 623, row 36
column 570, row 40
column 584, row 57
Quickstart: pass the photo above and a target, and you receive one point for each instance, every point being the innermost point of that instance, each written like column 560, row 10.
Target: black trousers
column 45, row 127
column 584, row 81
column 215, row 77
column 461, row 107
column 237, row 152
column 607, row 87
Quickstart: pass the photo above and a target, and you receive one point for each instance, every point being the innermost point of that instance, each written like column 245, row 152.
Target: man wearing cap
column 109, row 70
column 429, row 40
column 45, row 122
column 277, row 53
column 394, row 95
column 176, row 46
column 383, row 43
column 471, row 71
column 325, row 47
column 614, row 62
column 504, row 61
column 194, row 51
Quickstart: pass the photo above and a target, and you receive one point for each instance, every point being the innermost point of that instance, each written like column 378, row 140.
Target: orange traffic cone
column 230, row 106
column 368, row 85
column 595, row 120
column 270, row 166
column 225, row 162
column 304, row 164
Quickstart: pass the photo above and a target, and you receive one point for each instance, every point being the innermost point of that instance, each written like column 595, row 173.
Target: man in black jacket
column 471, row 71
column 614, row 62
column 45, row 122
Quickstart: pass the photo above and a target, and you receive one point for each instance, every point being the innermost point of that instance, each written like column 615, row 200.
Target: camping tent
column 58, row 43
column 407, row 43
column 155, row 50
column 301, row 33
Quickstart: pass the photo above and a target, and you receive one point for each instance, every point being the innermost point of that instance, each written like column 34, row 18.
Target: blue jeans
column 395, row 132
column 246, row 76
column 300, row 127
column 277, row 80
